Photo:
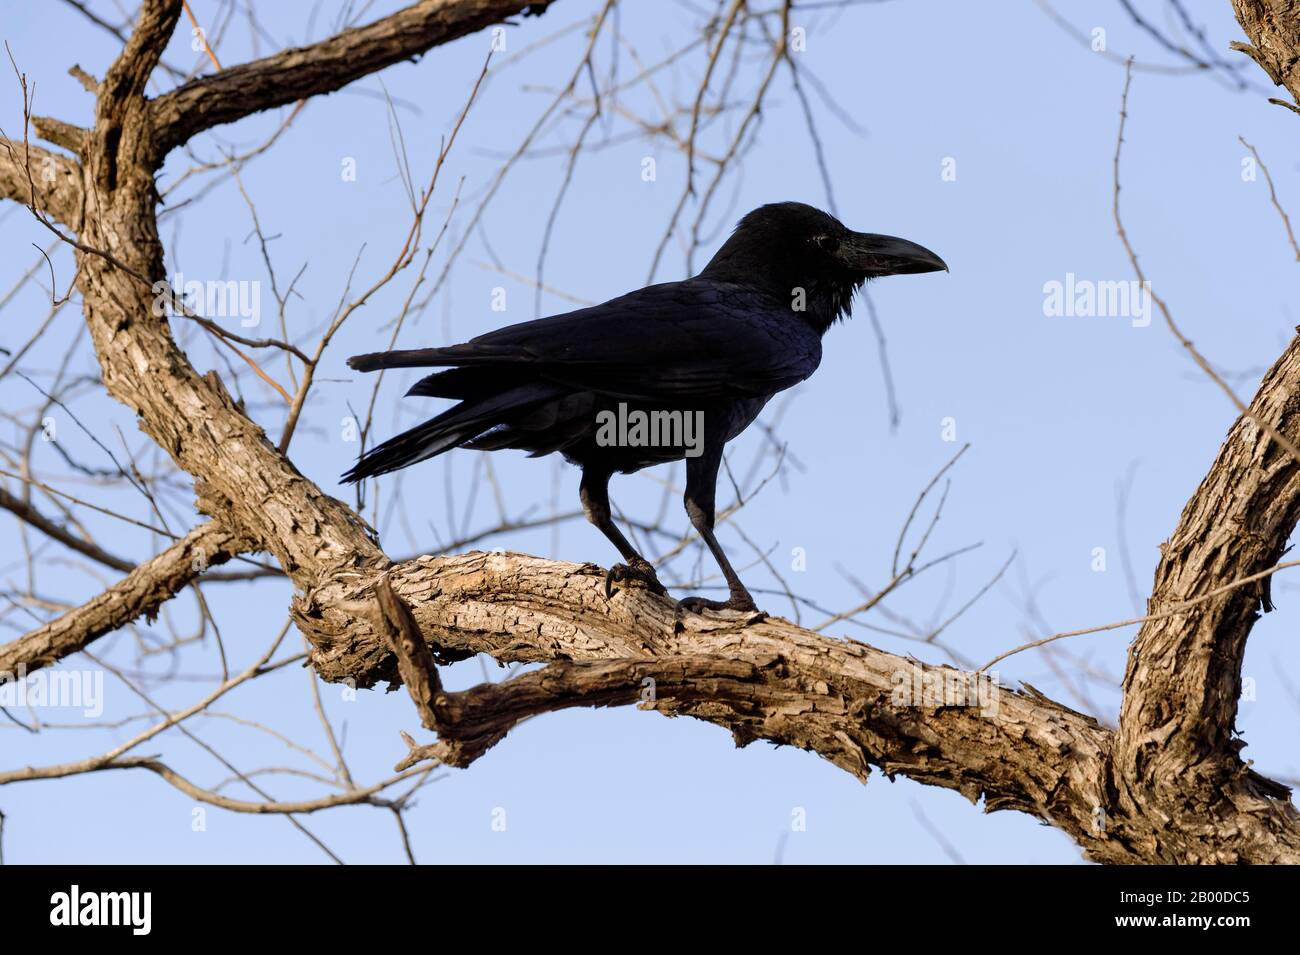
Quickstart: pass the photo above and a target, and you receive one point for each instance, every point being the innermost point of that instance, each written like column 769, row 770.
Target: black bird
column 708, row 352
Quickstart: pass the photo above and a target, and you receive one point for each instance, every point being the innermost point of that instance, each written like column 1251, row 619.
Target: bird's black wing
column 697, row 339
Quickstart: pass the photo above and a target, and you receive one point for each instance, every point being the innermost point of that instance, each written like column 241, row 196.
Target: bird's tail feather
column 454, row 427
column 408, row 358
column 471, row 381
column 470, row 353
column 417, row 444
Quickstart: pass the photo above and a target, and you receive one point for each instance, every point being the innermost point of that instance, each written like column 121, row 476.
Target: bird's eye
column 827, row 243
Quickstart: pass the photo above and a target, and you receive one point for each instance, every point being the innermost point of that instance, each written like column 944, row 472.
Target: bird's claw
column 740, row 602
column 641, row 570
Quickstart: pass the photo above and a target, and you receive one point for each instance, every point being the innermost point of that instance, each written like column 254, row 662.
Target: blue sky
column 1058, row 410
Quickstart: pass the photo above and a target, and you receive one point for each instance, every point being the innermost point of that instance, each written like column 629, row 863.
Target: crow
column 668, row 372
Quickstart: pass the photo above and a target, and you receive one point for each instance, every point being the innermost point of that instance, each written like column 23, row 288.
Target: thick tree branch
column 758, row 678
column 56, row 180
column 63, row 134
column 1183, row 679
column 125, row 80
column 240, row 477
column 849, row 703
column 1274, row 30
column 473, row 721
column 139, row 594
column 323, row 67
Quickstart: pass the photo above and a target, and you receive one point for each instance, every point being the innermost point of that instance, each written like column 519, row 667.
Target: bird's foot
column 740, row 602
column 638, row 569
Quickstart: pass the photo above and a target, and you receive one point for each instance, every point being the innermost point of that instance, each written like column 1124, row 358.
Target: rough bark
column 139, row 594
column 1167, row 786
column 54, row 179
column 1274, row 30
column 295, row 74
column 1183, row 679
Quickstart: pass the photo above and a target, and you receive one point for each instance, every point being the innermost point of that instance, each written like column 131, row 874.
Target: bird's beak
column 889, row 255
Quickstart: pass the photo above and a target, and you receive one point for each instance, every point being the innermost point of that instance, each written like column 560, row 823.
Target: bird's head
column 788, row 248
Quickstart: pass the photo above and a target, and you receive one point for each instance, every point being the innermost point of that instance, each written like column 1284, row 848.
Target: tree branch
column 56, row 178
column 1274, row 30
column 758, row 678
column 1183, row 678
column 139, row 594
column 30, row 515
column 295, row 74
column 851, row 704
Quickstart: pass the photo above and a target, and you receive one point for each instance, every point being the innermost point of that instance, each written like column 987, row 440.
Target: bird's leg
column 701, row 487
column 594, row 492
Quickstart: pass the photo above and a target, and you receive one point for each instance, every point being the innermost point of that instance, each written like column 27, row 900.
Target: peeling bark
column 1167, row 786
column 1176, row 743
column 56, row 178
column 1274, row 30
